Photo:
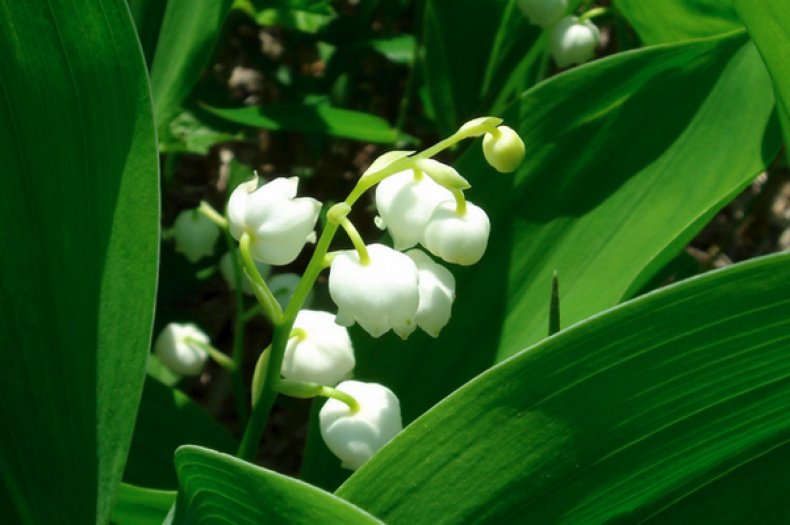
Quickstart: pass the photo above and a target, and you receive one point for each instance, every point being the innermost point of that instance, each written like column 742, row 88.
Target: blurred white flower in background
column 178, row 348
column 194, row 235
column 574, row 42
column 543, row 12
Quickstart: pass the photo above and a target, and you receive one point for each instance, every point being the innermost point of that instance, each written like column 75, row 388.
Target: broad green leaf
column 168, row 419
column 148, row 15
column 141, row 506
column 190, row 30
column 676, row 20
column 624, row 417
column 79, row 237
column 307, row 118
column 627, row 158
column 220, row 488
column 768, row 23
column 471, row 49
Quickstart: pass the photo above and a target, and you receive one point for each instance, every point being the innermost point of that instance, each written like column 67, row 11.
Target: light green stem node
column 460, row 202
column 259, row 374
column 338, row 212
column 356, row 239
column 302, row 390
column 217, row 355
column 271, row 308
column 328, row 258
column 417, row 173
column 299, row 334
column 217, row 218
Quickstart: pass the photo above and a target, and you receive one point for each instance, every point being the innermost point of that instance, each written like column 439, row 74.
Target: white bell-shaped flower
column 379, row 295
column 543, row 12
column 321, row 352
column 437, row 292
column 459, row 238
column 405, row 202
column 504, row 150
column 194, row 235
column 355, row 436
column 283, row 286
column 226, row 269
column 574, row 42
column 176, row 349
column 278, row 223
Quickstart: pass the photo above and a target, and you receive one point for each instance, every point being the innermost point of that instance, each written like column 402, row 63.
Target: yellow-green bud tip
column 504, row 150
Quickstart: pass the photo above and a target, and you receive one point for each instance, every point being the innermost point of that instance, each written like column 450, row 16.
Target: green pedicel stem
column 284, row 325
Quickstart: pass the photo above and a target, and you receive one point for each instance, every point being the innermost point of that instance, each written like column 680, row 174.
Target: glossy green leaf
column 306, row 118
column 141, row 506
column 168, row 419
column 190, row 30
column 611, row 147
column 768, row 23
column 625, row 417
column 148, row 15
column 472, row 49
column 676, row 20
column 218, row 488
column 79, row 238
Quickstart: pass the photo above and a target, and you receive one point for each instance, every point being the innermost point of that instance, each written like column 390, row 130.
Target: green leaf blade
column 80, row 237
column 217, row 486
column 308, row 118
column 620, row 417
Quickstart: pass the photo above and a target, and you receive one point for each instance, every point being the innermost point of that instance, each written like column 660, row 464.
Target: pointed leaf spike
column 554, row 305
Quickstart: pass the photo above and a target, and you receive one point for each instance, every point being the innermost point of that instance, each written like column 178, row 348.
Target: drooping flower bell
column 503, row 149
column 380, row 295
column 543, row 12
column 574, row 41
column 194, row 235
column 355, row 436
column 405, row 202
column 178, row 347
column 437, row 292
column 457, row 236
column 319, row 352
column 278, row 223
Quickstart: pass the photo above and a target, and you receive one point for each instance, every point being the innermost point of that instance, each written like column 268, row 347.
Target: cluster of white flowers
column 573, row 40
column 379, row 287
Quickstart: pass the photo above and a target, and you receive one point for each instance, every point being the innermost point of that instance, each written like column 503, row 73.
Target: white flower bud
column 278, row 223
column 405, row 204
column 456, row 238
column 194, row 235
column 574, row 42
column 543, row 12
column 321, row 353
column 437, row 292
column 226, row 269
column 355, row 436
column 177, row 351
column 283, row 286
column 505, row 151
column 380, row 295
